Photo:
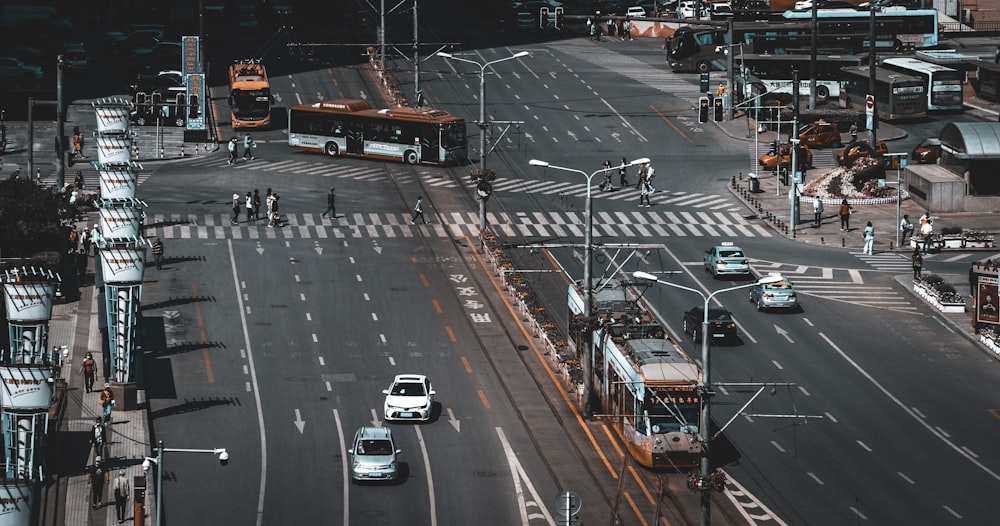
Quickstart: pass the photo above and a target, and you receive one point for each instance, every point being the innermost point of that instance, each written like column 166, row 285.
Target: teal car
column 726, row 259
column 779, row 294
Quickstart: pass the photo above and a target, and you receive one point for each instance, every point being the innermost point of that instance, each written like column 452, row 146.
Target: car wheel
column 750, row 297
column 703, row 66
column 179, row 122
column 140, row 121
column 410, row 157
column 332, row 149
column 760, row 305
column 822, row 92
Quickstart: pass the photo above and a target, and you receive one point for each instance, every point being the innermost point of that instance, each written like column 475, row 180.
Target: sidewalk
column 67, row 498
column 772, row 208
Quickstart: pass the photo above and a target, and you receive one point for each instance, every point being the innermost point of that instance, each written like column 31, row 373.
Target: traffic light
column 718, row 109
column 543, row 18
column 703, row 109
column 703, row 81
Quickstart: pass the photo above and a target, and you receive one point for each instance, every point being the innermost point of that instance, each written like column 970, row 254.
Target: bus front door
column 355, row 138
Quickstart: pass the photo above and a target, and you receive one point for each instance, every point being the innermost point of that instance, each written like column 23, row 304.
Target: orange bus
column 249, row 95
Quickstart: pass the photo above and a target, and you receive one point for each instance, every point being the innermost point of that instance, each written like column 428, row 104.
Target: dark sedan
column 721, row 326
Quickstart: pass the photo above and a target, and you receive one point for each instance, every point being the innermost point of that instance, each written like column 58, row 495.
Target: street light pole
column 588, row 285
column 482, row 115
column 158, row 460
column 706, row 420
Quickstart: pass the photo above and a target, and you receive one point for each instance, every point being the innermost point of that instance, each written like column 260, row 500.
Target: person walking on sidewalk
column 418, row 211
column 107, row 402
column 158, row 253
column 88, row 368
column 623, row 174
column 97, row 437
column 248, row 143
column 269, row 203
column 918, row 263
column 98, row 478
column 818, row 210
column 236, row 209
column 122, row 490
column 869, row 234
column 905, row 229
column 845, row 215
column 331, row 204
column 95, row 239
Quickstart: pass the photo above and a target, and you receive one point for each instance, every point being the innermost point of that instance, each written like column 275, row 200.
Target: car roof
column 374, row 433
column 409, row 378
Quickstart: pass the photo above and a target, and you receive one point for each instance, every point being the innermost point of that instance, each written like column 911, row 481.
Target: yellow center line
column 204, row 338
column 482, row 397
column 667, row 120
column 437, row 306
column 635, row 509
column 468, row 366
column 538, row 353
column 423, row 279
column 451, row 334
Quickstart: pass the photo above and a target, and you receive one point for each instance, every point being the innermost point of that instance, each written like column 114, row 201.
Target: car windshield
column 719, row 315
column 374, row 447
column 780, row 285
column 730, row 253
column 408, row 389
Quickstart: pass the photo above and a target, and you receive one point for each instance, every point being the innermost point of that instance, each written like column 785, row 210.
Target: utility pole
column 60, row 126
column 813, row 27
column 872, row 59
column 416, row 60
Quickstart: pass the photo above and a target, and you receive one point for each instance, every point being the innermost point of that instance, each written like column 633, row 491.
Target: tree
column 33, row 218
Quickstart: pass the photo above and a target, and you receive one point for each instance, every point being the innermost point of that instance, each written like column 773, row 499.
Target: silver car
column 373, row 454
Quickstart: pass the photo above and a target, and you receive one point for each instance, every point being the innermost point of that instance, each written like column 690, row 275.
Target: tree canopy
column 33, row 218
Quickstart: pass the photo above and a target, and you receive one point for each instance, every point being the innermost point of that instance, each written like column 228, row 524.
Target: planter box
column 990, row 342
column 930, row 297
column 953, row 242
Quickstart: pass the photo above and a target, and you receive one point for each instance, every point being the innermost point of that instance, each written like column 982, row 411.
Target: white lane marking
column 346, row 470
column 521, row 478
column 907, row 410
column 430, row 479
column 255, row 388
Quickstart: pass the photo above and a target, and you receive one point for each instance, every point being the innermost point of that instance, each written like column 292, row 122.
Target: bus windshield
column 251, row 103
column 453, row 135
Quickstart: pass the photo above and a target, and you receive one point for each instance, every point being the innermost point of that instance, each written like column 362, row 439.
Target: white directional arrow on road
column 454, row 421
column 260, row 249
column 299, row 423
column 572, row 135
column 378, row 249
column 375, row 421
column 784, row 333
column 317, row 248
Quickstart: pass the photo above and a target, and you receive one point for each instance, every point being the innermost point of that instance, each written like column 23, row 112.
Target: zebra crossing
column 628, row 195
column 823, row 160
column 359, row 172
column 888, row 261
column 712, row 224
column 845, row 285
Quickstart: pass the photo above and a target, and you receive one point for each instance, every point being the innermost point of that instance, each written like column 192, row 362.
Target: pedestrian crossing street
column 645, row 223
column 846, row 285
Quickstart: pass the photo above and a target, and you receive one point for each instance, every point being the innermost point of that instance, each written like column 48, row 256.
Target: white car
column 686, row 9
column 635, row 11
column 409, row 397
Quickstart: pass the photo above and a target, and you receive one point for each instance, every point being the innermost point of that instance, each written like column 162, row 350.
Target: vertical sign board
column 195, row 84
column 986, row 300
column 121, row 223
column 29, row 301
column 118, row 182
column 869, row 111
column 190, row 52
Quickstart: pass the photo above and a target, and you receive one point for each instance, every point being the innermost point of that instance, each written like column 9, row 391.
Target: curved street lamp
column 148, row 462
column 482, row 116
column 706, row 378
column 588, row 285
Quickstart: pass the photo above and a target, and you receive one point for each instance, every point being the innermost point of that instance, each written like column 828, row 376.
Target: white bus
column 942, row 84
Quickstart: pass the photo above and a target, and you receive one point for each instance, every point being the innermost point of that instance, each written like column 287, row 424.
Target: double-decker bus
column 839, row 31
column 648, row 388
column 351, row 127
column 897, row 96
column 942, row 84
column 249, row 95
column 773, row 73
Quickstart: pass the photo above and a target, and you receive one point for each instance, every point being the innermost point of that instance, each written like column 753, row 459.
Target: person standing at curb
column 107, row 402
column 905, row 229
column 98, row 478
column 88, row 368
column 926, row 230
column 269, row 203
column 157, row 254
column 236, row 209
column 256, row 204
column 95, row 239
column 869, row 234
column 121, row 489
column 918, row 263
column 418, row 211
column 331, row 204
column 844, row 212
column 818, row 210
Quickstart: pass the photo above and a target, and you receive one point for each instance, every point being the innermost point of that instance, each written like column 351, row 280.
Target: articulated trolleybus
column 649, row 388
column 351, row 127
